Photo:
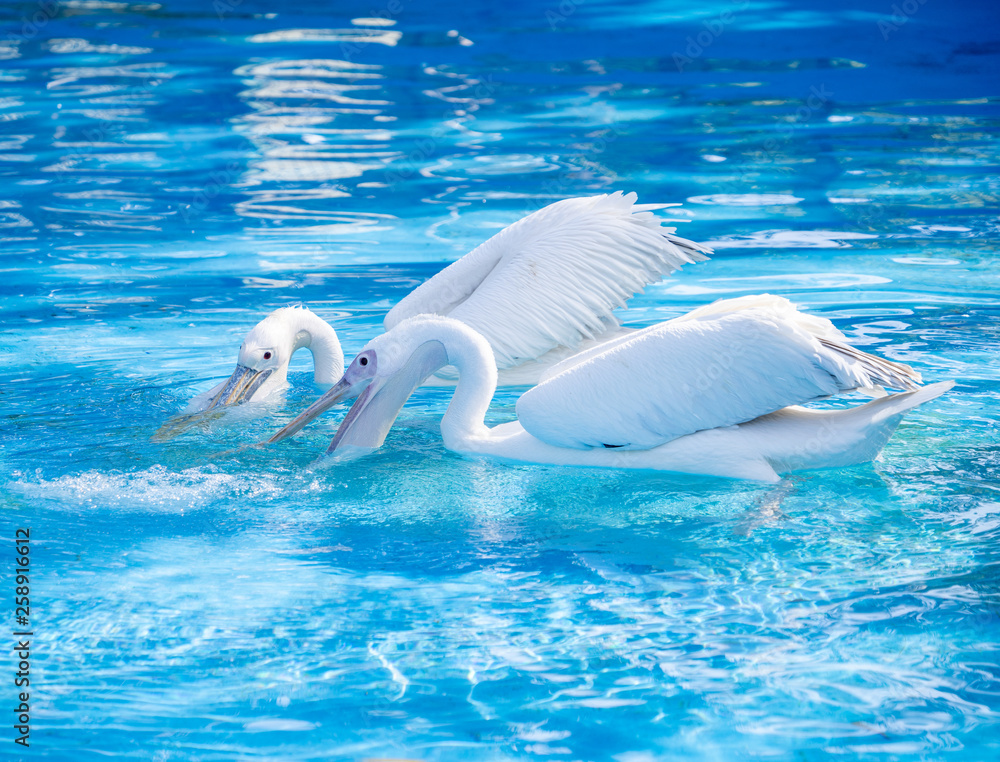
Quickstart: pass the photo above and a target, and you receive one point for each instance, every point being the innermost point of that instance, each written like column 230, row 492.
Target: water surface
column 173, row 171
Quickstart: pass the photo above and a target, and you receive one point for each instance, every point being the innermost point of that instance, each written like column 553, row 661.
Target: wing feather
column 553, row 278
column 732, row 362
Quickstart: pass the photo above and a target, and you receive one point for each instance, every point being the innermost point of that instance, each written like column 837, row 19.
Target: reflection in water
column 308, row 206
column 345, row 36
column 298, row 131
column 325, row 131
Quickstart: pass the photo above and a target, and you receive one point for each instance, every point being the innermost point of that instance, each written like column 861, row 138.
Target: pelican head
column 384, row 374
column 262, row 365
column 266, row 351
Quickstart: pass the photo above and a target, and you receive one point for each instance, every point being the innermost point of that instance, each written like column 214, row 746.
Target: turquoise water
column 173, row 171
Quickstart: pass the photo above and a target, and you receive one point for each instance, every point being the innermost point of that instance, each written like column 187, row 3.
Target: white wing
column 554, row 277
column 729, row 364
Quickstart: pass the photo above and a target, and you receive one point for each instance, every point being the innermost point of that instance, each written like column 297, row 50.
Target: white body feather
column 723, row 364
column 790, row 439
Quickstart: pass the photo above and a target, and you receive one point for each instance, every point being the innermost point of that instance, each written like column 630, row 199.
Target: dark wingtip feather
column 882, row 372
column 693, row 251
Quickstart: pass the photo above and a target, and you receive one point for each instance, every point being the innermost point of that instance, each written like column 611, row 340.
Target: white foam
column 152, row 489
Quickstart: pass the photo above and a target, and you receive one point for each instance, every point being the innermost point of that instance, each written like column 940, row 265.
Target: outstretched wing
column 554, row 277
column 731, row 364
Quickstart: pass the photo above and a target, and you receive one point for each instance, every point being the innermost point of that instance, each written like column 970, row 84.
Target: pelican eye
column 267, row 355
column 363, row 361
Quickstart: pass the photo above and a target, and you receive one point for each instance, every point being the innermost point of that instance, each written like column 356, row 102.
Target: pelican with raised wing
column 540, row 290
column 714, row 392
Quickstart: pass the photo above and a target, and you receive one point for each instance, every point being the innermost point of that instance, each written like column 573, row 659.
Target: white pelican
column 262, row 365
column 540, row 290
column 714, row 392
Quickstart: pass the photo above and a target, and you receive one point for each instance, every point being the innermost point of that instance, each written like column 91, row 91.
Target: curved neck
column 318, row 337
column 465, row 418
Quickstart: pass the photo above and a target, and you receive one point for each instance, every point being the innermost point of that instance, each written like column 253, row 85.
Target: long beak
column 368, row 421
column 239, row 388
column 380, row 398
column 181, row 423
column 342, row 390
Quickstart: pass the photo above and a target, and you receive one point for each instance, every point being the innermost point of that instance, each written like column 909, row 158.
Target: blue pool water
column 174, row 170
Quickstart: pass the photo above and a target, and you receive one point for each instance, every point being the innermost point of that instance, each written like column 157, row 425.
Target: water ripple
column 173, row 173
